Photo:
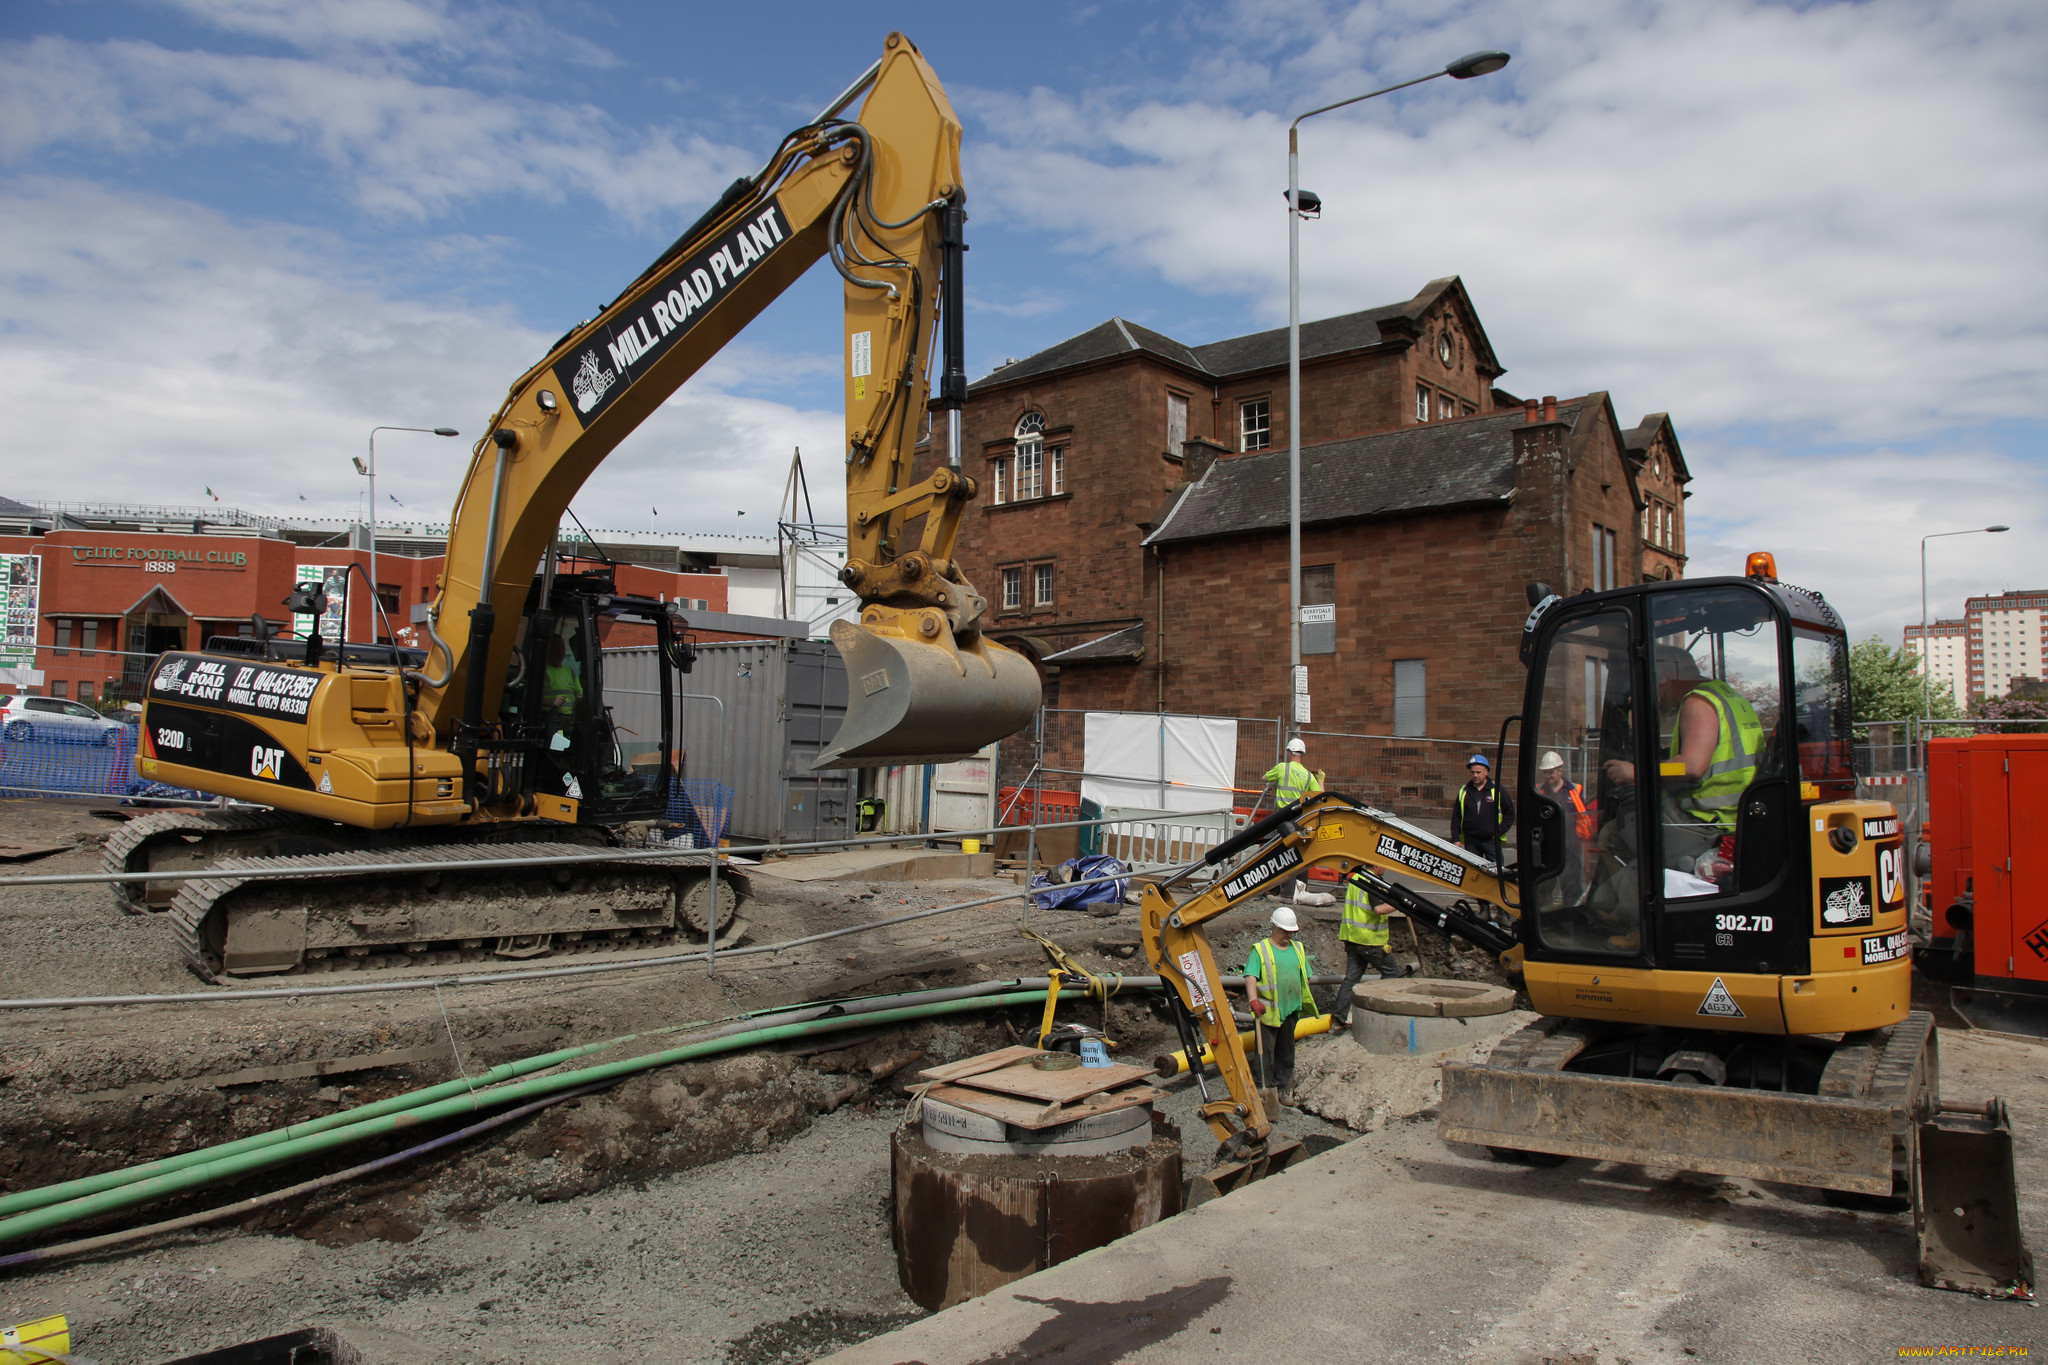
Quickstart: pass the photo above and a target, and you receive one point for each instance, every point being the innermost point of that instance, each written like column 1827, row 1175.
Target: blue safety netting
column 700, row 808
column 53, row 767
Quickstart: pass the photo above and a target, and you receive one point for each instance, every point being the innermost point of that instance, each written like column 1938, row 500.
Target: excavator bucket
column 908, row 701
column 1967, row 1205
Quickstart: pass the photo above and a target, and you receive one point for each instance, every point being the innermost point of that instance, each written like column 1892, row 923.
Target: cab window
column 1720, row 703
column 1588, row 899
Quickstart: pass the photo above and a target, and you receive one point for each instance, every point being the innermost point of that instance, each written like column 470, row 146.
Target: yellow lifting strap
column 1064, row 968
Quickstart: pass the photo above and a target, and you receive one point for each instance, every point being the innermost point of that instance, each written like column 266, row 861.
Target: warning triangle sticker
column 326, row 783
column 1720, row 1004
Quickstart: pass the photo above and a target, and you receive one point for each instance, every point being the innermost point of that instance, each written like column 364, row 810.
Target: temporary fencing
column 54, row 767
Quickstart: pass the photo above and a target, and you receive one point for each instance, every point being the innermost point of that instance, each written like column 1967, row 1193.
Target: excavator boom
column 881, row 196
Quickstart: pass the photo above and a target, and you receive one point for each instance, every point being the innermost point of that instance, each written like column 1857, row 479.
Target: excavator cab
column 1695, row 723
column 559, row 739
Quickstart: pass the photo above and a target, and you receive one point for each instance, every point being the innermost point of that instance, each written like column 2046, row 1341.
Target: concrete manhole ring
column 1428, row 998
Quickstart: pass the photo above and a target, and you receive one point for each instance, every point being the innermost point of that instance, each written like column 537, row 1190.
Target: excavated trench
column 752, row 1188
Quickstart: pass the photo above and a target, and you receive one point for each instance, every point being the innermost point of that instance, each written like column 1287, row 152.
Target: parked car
column 25, row 718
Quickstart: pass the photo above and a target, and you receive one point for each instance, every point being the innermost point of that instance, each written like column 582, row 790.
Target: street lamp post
column 1470, row 65
column 369, row 471
column 1926, row 669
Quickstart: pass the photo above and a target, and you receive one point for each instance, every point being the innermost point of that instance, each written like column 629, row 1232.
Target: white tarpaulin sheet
column 1122, row 751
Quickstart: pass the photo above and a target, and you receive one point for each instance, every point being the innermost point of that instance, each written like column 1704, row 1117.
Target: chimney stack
column 1550, row 407
column 1529, row 410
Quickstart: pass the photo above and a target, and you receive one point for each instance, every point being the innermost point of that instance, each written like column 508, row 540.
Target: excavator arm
column 880, row 196
column 1326, row 829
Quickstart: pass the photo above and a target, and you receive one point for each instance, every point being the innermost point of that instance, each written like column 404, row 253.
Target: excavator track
column 332, row 919
column 183, row 839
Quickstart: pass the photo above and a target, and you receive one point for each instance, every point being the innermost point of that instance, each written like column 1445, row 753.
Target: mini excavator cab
column 557, row 737
column 1698, row 721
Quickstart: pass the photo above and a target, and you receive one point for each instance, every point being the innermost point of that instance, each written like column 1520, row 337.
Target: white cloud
column 164, row 349
column 402, row 146
column 1849, row 526
column 1827, row 218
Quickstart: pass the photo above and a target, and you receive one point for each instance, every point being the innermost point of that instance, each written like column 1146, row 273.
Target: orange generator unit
column 1983, row 866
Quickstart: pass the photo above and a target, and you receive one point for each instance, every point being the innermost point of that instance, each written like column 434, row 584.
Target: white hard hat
column 1283, row 918
column 1295, row 746
column 1551, row 759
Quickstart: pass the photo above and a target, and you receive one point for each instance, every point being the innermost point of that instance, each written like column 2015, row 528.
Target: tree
column 2026, row 699
column 1885, row 684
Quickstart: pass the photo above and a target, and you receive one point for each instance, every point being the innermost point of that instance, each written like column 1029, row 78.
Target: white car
column 25, row 718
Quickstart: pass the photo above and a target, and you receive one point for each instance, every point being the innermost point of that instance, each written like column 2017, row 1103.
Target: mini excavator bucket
column 910, row 700
column 1966, row 1209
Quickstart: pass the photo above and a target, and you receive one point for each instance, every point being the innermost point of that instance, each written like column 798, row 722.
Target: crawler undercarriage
column 334, row 917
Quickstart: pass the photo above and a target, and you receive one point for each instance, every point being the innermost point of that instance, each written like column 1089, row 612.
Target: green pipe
column 217, row 1168
column 92, row 1184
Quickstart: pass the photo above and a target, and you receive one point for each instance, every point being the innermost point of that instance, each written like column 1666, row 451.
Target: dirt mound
column 1338, row 1080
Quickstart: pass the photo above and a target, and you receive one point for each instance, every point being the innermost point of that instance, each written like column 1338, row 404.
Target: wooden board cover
column 1062, row 1087
column 987, row 1061
column 1023, row 1113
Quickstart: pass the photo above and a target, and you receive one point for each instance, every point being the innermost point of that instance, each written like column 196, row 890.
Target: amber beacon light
column 1762, row 564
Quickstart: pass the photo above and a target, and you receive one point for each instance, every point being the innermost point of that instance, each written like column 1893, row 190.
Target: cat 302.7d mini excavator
column 495, row 742
column 1722, row 967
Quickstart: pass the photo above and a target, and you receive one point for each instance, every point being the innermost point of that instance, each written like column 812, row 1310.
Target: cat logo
column 266, row 763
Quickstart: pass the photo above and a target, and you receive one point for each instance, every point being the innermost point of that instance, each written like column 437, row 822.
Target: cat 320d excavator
column 1722, row 967
column 495, row 742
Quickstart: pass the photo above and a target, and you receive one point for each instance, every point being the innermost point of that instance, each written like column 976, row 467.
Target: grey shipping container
column 782, row 702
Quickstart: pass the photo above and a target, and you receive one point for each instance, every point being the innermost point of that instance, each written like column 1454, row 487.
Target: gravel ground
column 731, row 1212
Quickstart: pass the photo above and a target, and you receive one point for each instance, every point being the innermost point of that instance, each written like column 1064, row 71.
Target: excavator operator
column 1716, row 737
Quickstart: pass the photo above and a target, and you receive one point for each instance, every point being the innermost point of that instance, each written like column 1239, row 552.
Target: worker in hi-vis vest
column 1365, row 934
column 1716, row 740
column 1482, row 811
column 1291, row 780
column 1276, row 978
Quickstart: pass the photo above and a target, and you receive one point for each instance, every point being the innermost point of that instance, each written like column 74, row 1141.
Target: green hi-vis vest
column 1733, row 766
column 1362, row 924
column 1290, row 782
column 560, row 690
column 1269, row 977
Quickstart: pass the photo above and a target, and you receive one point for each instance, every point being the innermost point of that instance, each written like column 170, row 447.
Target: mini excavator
column 1722, row 966
column 495, row 743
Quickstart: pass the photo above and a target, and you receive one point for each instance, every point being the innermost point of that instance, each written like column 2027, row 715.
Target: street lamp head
column 1476, row 64
column 1311, row 203
column 446, row 431
column 1998, row 528
column 357, row 461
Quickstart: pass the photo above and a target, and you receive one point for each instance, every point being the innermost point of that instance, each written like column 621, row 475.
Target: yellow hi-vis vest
column 1269, row 977
column 1291, row 782
column 1362, row 924
column 1733, row 765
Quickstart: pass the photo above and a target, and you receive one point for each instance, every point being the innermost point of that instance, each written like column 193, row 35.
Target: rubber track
column 196, row 900
column 130, row 840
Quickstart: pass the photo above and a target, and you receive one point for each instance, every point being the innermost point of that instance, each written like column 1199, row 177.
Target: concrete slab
column 880, row 865
column 1400, row 1247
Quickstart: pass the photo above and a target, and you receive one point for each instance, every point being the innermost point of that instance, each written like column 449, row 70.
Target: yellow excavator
column 1717, row 945
column 494, row 743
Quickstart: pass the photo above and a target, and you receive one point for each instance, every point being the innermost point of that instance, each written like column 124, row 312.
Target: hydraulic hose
column 210, row 1167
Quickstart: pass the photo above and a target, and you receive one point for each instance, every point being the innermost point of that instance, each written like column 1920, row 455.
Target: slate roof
column 13, row 510
column 1235, row 355
column 1461, row 463
column 1117, row 647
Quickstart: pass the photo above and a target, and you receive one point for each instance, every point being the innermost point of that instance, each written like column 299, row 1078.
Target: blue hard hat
column 1480, row 759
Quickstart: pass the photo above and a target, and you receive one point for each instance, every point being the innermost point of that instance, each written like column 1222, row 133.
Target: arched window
column 1027, row 458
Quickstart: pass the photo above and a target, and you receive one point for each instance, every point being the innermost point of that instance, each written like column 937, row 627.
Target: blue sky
column 242, row 232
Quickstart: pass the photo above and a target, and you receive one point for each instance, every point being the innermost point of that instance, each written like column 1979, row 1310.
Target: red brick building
column 1131, row 534
column 88, row 608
